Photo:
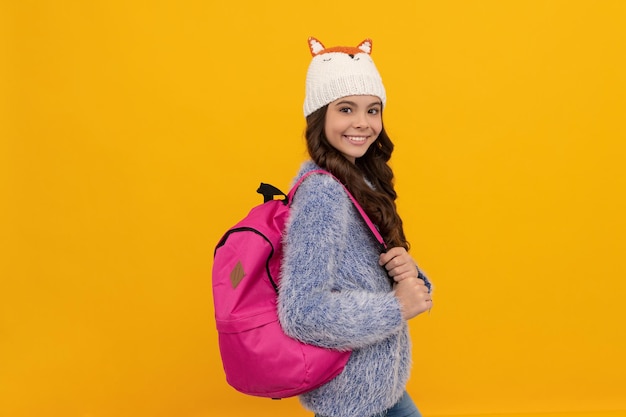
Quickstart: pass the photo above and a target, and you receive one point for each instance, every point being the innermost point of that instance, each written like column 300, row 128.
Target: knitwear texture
column 340, row 72
column 333, row 293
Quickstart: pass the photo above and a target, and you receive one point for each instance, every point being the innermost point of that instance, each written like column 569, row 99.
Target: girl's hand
column 413, row 296
column 411, row 292
column 399, row 264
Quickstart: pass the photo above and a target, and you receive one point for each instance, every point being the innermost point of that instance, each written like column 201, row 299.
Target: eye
column 326, row 60
column 345, row 110
column 373, row 110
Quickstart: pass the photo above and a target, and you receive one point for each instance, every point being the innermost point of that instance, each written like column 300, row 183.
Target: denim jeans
column 403, row 408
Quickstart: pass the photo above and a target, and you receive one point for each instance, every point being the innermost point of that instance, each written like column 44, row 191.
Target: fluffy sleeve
column 322, row 251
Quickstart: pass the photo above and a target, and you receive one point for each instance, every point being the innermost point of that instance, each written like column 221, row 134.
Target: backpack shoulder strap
column 364, row 215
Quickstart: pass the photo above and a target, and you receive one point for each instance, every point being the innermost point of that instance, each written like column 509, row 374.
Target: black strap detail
column 269, row 192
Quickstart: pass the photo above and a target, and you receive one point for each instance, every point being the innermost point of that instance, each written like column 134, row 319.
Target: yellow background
column 134, row 133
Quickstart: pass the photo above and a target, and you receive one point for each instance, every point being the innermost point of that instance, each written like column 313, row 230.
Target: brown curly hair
column 377, row 201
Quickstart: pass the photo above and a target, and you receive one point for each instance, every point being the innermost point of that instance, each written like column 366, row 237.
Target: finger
column 406, row 283
column 429, row 306
column 401, row 263
column 390, row 254
column 395, row 269
column 401, row 277
column 428, row 300
column 415, row 286
column 399, row 274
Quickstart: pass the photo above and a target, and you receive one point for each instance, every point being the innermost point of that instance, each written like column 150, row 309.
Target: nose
column 360, row 121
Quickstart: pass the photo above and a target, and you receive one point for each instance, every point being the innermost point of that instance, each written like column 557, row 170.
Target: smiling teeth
column 357, row 138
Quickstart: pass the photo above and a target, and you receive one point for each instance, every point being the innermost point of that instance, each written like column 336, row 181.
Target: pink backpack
column 258, row 357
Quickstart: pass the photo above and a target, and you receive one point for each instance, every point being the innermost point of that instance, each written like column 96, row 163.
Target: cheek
column 335, row 126
column 327, row 128
column 377, row 126
column 328, row 124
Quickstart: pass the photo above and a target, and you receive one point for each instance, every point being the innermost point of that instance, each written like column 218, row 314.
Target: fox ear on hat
column 366, row 46
column 315, row 46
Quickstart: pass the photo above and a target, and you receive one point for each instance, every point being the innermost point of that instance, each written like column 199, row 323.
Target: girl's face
column 352, row 124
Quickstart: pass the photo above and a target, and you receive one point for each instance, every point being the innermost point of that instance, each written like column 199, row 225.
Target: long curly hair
column 377, row 199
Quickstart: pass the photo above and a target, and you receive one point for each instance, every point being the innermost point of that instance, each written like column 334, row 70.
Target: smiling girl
column 337, row 290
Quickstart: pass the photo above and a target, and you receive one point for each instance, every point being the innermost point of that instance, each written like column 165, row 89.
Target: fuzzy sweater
column 334, row 294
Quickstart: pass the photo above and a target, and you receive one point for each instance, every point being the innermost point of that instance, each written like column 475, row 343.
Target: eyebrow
column 352, row 103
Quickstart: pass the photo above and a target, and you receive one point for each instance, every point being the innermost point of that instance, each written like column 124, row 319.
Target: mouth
column 357, row 140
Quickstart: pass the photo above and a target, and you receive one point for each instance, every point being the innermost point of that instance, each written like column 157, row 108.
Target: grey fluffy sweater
column 334, row 294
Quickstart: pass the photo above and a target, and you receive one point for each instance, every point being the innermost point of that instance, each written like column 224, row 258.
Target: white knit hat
column 339, row 72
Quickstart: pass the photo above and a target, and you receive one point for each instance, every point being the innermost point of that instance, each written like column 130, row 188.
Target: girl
column 337, row 290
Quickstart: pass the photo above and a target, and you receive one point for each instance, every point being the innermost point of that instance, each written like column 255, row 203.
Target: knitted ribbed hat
column 340, row 71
